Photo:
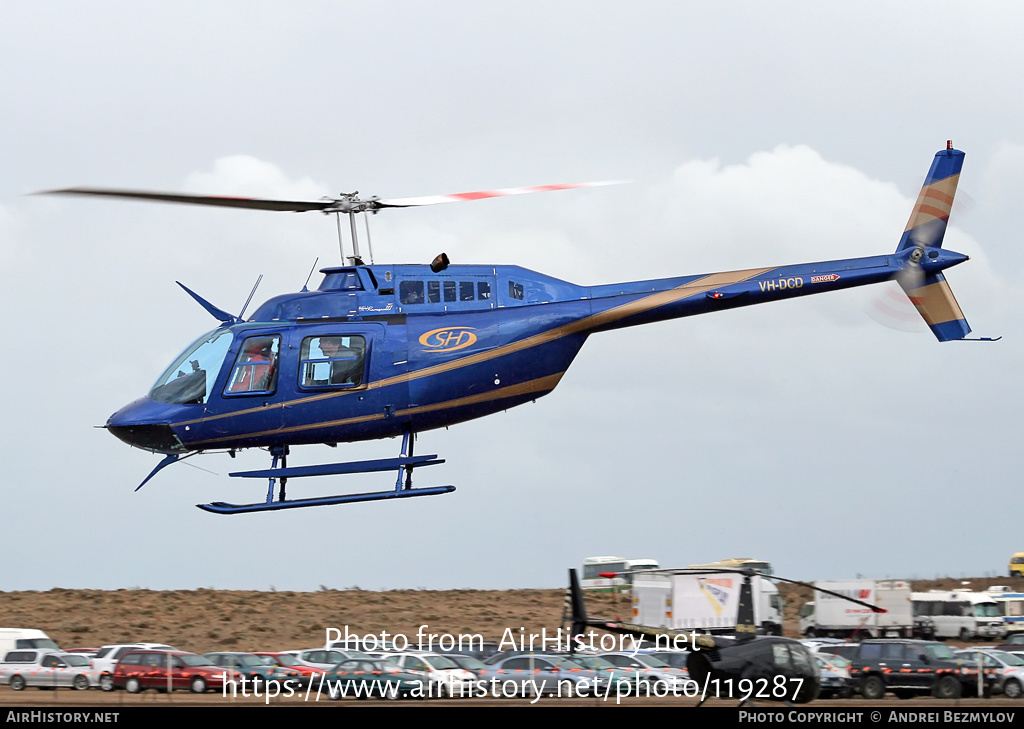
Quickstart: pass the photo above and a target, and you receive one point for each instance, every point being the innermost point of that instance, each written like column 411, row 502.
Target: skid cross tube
column 405, row 464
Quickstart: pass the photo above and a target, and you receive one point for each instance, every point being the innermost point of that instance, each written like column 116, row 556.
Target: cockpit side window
column 332, row 361
column 255, row 370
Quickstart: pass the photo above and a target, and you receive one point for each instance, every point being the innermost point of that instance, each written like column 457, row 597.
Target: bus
column 962, row 614
column 1011, row 606
column 594, row 567
column 737, row 563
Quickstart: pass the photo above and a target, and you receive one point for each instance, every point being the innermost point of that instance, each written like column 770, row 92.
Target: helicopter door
column 336, row 359
column 249, row 385
column 332, row 360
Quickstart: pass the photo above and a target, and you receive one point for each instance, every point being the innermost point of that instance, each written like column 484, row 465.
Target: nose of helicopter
column 145, row 424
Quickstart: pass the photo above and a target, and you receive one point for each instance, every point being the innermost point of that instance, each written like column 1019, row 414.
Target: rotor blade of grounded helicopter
column 408, row 202
column 298, row 206
column 873, row 608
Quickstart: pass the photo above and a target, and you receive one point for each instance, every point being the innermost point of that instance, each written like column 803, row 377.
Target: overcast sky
column 817, row 433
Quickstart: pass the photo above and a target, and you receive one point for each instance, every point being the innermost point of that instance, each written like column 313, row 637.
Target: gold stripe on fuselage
column 541, row 384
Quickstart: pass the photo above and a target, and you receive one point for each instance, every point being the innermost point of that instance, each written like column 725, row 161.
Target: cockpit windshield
column 190, row 379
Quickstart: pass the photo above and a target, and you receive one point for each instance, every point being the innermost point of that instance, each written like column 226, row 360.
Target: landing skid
column 405, row 464
column 220, row 507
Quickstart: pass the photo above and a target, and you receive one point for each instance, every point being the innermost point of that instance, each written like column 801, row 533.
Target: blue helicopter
column 380, row 351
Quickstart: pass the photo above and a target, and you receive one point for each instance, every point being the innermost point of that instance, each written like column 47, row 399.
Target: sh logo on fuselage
column 448, row 339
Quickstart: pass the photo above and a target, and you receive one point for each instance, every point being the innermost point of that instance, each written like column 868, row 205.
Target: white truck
column 23, row 638
column 829, row 616
column 704, row 602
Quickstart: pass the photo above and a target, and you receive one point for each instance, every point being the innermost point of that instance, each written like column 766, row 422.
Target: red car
column 143, row 669
column 288, row 660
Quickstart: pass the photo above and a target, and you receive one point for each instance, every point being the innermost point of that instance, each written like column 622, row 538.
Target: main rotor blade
column 298, row 206
column 408, row 202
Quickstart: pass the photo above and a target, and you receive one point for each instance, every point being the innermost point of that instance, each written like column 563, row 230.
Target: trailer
column 703, row 602
column 830, row 616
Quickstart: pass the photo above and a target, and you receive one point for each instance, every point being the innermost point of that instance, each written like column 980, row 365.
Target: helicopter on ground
column 385, row 350
column 745, row 665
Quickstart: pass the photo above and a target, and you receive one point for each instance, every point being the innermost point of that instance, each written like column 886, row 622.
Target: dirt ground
column 208, row 620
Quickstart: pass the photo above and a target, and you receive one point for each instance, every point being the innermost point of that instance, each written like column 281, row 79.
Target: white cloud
column 248, row 176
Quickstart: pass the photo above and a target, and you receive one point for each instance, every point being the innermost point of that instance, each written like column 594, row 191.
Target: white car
column 651, row 670
column 47, row 669
column 1009, row 667
column 106, row 658
column 443, row 674
column 322, row 659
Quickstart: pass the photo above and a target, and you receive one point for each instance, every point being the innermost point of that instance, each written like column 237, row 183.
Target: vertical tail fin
column 746, row 628
column 576, row 607
column 928, row 290
column 927, row 224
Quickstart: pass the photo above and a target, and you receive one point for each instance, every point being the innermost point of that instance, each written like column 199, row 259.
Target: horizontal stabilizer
column 934, row 300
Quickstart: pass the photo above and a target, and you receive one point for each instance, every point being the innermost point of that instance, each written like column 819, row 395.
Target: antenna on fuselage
column 241, row 314
column 310, row 274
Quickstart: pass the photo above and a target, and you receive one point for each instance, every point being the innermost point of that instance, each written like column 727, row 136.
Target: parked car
column 445, row 676
column 469, row 663
column 47, row 669
column 835, row 676
column 368, row 678
column 322, row 659
column 106, row 658
column 1014, row 643
column 140, row 670
column 847, row 650
column 535, row 673
column 254, row 667
column 1008, row 668
column 652, row 670
column 289, row 661
column 622, row 680
column 908, row 668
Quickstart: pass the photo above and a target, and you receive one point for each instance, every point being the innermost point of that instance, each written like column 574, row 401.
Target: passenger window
column 255, row 368
column 410, row 292
column 449, row 291
column 515, row 290
column 870, row 651
column 892, row 651
column 465, row 290
column 332, row 360
column 433, row 292
column 780, row 654
column 913, row 653
column 483, row 290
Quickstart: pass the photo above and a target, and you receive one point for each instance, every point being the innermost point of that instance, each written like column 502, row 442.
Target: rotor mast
column 350, row 203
